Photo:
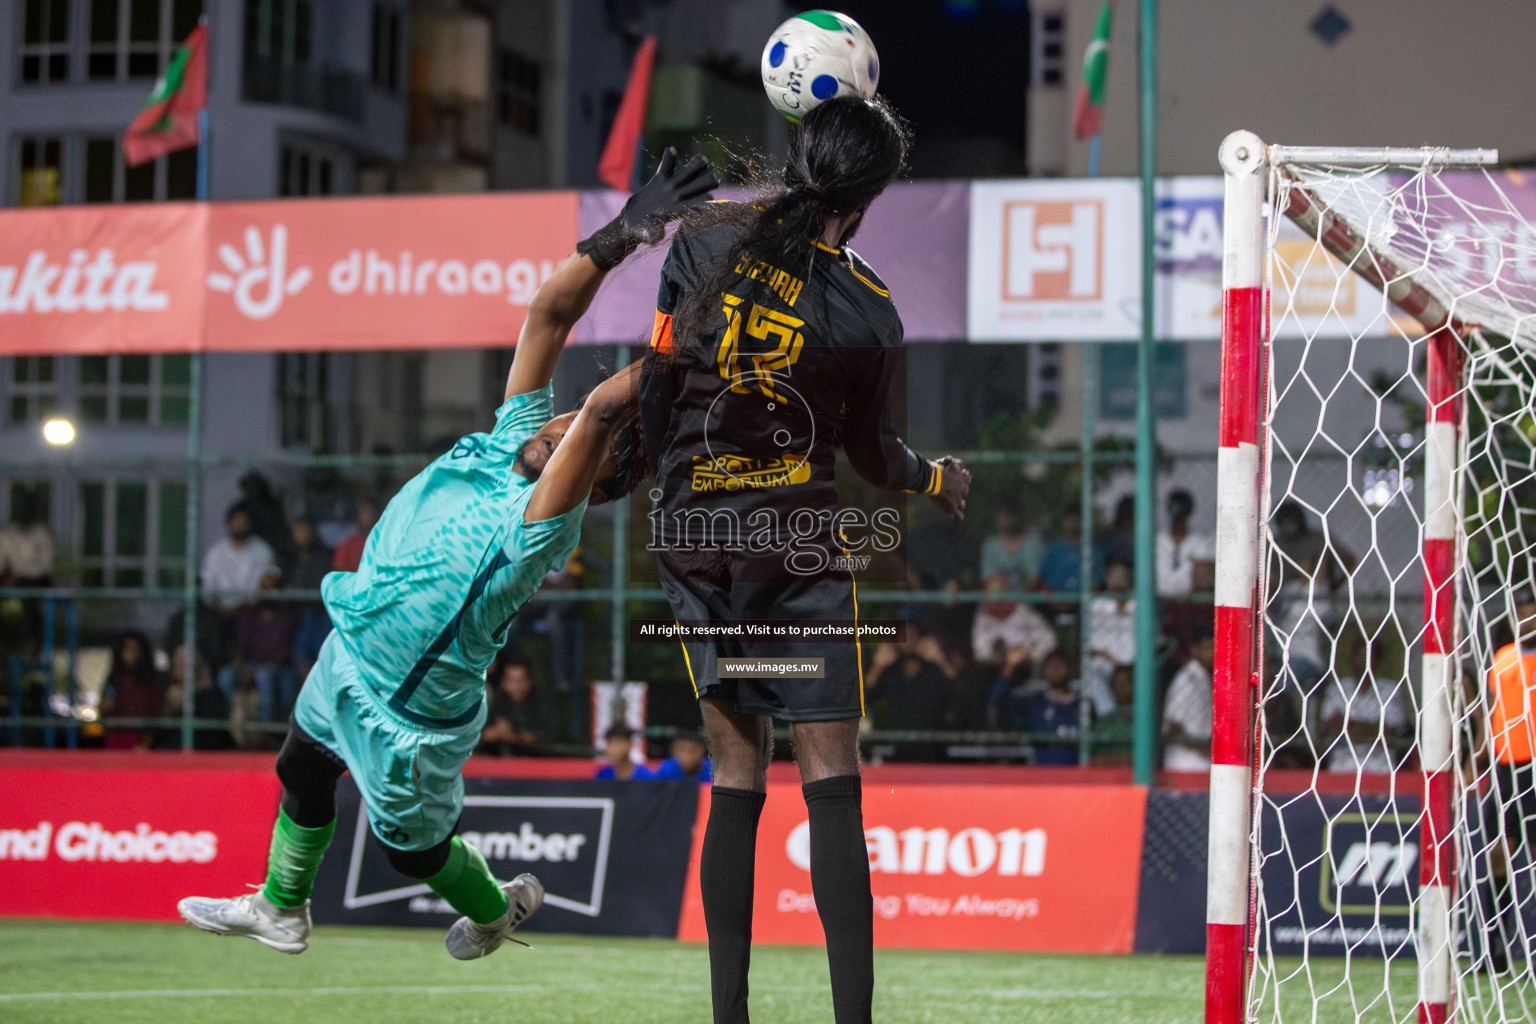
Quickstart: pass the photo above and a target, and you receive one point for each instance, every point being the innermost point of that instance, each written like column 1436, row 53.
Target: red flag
column 169, row 119
column 616, row 168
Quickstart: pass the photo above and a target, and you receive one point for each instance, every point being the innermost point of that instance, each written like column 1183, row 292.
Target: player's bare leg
column 740, row 746
column 828, row 755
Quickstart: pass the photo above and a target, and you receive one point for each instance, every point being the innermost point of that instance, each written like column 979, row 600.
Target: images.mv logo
column 1052, row 250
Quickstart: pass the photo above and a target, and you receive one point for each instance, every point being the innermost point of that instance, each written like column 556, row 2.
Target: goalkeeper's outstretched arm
column 565, row 297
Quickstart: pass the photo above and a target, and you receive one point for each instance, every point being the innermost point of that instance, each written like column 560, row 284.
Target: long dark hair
column 145, row 670
column 844, row 154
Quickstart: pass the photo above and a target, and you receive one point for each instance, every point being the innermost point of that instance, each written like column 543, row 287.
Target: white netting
column 1336, row 832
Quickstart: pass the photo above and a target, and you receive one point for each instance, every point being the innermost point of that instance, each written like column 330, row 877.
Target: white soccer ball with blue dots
column 815, row 56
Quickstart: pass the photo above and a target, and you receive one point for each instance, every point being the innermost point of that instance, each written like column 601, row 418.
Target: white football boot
column 470, row 941
column 254, row 916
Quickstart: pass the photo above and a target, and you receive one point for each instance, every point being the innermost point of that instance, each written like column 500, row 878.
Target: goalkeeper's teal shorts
column 409, row 776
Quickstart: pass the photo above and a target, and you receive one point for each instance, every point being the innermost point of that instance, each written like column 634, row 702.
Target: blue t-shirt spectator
column 671, row 769
column 1055, row 712
column 640, row 772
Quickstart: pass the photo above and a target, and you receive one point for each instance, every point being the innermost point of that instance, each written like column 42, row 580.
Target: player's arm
column 576, row 463
column 879, row 454
column 565, row 297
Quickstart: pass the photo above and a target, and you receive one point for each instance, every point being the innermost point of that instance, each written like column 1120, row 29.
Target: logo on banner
column 1051, row 250
column 563, row 840
column 83, row 283
column 935, row 851
column 1366, row 875
column 259, row 279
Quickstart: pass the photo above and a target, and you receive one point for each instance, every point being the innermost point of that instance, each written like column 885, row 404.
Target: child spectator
column 619, row 752
column 264, row 635
column 1111, row 633
column 1056, row 711
column 208, row 702
column 134, row 689
column 689, row 760
column 1114, row 733
column 1187, row 710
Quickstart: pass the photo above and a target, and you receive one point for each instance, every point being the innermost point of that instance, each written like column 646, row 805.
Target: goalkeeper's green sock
column 467, row 884
column 293, row 860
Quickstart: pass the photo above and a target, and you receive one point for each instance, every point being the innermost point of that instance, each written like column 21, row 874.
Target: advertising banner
column 1055, row 260
column 425, row 272
column 146, row 837
column 1047, row 867
column 611, row 856
column 98, row 279
column 914, row 236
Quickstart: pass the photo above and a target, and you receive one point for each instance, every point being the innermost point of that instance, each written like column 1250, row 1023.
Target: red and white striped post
column 1228, row 886
column 1437, row 851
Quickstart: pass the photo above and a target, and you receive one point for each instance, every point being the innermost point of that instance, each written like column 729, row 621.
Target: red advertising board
column 1039, row 868
column 146, row 837
column 398, row 272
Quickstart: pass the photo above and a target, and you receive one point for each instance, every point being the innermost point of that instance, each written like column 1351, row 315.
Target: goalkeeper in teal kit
column 397, row 693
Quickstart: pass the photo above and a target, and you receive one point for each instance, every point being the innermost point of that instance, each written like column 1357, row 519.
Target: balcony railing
column 323, row 87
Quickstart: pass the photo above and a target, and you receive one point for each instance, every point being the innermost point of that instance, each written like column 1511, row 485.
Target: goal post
column 1388, row 335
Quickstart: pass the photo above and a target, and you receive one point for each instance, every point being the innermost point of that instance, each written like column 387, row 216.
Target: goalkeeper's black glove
column 672, row 191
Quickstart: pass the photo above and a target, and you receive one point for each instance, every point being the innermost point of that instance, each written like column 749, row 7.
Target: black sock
column 840, row 881
column 726, row 868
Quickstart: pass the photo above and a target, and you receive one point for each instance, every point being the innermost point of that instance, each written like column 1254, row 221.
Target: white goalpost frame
column 1231, row 932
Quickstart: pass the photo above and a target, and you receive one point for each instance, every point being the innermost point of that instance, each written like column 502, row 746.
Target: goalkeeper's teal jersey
column 446, row 568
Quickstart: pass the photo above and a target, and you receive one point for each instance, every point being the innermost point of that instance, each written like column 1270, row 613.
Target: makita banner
column 611, row 856
column 1039, row 867
column 71, row 836
column 398, row 272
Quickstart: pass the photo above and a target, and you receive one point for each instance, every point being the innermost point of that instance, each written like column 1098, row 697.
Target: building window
column 108, row 179
column 279, row 31
column 32, row 390
column 384, row 65
column 40, row 181
column 135, row 38
column 135, row 389
column 302, row 173
column 302, row 383
column 45, row 41
column 517, row 92
column 132, row 533
column 1049, row 49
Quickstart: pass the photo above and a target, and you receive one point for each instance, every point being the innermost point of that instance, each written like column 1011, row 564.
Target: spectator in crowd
column 1362, row 714
column 1055, row 711
column 264, row 633
column 1011, row 556
column 350, row 551
column 309, row 562
column 1187, row 710
column 26, row 558
column 913, row 680
column 1011, row 624
column 1013, row 684
column 1111, row 633
column 1114, row 733
column 233, row 568
column 1305, row 571
column 268, row 521
column 1118, row 543
column 939, row 555
column 513, row 722
column 689, row 759
column 970, row 689
column 561, row 621
column 208, row 701
column 134, row 689
column 1185, row 559
column 1061, row 563
column 619, row 757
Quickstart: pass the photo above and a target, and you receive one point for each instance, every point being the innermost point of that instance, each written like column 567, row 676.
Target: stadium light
column 59, row 432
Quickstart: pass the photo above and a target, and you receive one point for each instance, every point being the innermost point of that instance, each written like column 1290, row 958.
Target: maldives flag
column 1089, row 116
column 169, row 119
column 616, row 168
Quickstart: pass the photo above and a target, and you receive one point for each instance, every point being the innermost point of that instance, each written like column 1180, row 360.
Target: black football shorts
column 714, row 585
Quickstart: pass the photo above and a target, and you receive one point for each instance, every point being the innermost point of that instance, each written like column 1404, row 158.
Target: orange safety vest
column 1511, row 721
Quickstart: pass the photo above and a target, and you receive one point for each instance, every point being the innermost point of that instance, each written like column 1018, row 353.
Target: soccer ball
column 815, row 56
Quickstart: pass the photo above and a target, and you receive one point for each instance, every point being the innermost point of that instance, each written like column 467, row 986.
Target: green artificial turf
column 59, row 971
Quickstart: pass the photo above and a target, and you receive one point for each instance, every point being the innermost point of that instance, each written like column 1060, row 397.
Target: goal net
column 1373, row 807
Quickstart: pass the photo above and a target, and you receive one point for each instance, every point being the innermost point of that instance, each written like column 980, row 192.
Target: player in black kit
column 774, row 344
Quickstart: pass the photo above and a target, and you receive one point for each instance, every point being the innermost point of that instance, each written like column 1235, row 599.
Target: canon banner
column 146, row 837
column 398, row 272
column 961, row 867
